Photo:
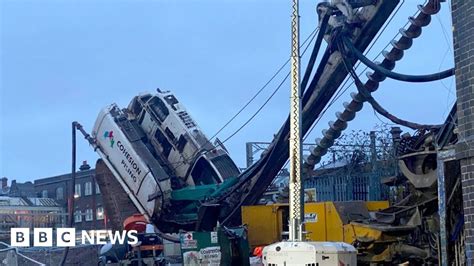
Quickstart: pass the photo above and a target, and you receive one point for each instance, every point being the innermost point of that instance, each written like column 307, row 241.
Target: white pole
column 296, row 212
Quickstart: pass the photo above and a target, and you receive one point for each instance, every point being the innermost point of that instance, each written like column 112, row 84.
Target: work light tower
column 296, row 206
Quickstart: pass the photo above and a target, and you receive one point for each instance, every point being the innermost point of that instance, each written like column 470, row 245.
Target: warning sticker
column 188, row 236
column 210, row 256
column 310, row 217
column 188, row 244
column 214, row 237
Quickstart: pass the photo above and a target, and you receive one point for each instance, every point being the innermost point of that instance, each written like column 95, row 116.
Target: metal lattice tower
column 296, row 212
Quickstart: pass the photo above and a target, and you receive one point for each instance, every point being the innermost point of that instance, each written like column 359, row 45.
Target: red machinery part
column 135, row 222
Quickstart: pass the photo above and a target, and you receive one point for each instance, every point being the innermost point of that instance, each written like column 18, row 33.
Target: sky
column 62, row 61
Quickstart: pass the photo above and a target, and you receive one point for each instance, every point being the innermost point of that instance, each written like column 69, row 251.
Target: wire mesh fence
column 354, row 168
column 36, row 256
column 347, row 185
column 12, row 257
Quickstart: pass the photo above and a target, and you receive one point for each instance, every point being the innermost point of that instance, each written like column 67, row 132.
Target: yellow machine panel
column 265, row 223
column 324, row 221
column 316, row 221
column 374, row 206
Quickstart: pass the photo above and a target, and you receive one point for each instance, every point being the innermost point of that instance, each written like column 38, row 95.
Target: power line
column 268, row 99
column 259, row 109
column 311, row 36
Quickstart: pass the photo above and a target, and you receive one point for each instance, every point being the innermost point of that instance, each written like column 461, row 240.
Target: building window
column 100, row 213
column 77, row 216
column 59, row 193
column 87, row 189
column 89, row 215
column 77, row 190
column 97, row 189
column 44, row 194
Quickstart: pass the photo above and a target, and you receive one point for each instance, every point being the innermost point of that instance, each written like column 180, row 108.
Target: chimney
column 4, row 182
column 84, row 166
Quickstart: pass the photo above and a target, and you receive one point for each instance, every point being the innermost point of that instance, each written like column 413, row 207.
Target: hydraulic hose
column 394, row 75
column 379, row 109
column 314, row 53
column 365, row 93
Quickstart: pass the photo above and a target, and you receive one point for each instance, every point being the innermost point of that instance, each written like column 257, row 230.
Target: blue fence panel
column 349, row 186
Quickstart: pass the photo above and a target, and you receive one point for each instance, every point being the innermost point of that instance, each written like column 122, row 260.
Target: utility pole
column 296, row 206
column 463, row 25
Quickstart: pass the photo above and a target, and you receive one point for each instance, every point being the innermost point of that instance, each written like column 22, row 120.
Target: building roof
column 23, row 201
column 12, row 201
column 25, row 189
column 64, row 177
column 45, row 202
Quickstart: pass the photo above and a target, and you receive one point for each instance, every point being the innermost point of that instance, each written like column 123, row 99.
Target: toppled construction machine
column 155, row 151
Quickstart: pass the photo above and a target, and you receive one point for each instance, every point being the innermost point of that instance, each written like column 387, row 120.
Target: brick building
column 17, row 189
column 89, row 211
column 463, row 34
column 26, row 189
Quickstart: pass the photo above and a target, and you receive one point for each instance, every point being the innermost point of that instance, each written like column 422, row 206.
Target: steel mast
column 296, row 206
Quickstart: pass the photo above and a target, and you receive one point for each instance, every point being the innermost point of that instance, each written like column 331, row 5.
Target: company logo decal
column 110, row 135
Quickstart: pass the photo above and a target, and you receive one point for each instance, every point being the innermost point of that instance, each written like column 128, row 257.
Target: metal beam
column 443, row 156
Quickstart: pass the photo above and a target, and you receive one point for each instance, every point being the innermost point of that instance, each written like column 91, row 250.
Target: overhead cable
column 310, row 38
column 316, row 47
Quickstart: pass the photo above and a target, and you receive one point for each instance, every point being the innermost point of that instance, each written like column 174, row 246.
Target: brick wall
column 463, row 23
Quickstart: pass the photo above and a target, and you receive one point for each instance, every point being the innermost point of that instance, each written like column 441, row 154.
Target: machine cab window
column 203, row 173
column 159, row 108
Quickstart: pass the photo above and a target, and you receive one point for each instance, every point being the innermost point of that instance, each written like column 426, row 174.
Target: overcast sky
column 64, row 60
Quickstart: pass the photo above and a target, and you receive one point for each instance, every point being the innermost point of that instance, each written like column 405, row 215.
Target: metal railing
column 10, row 256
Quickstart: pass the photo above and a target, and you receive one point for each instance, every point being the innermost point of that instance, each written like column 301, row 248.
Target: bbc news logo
column 66, row 237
